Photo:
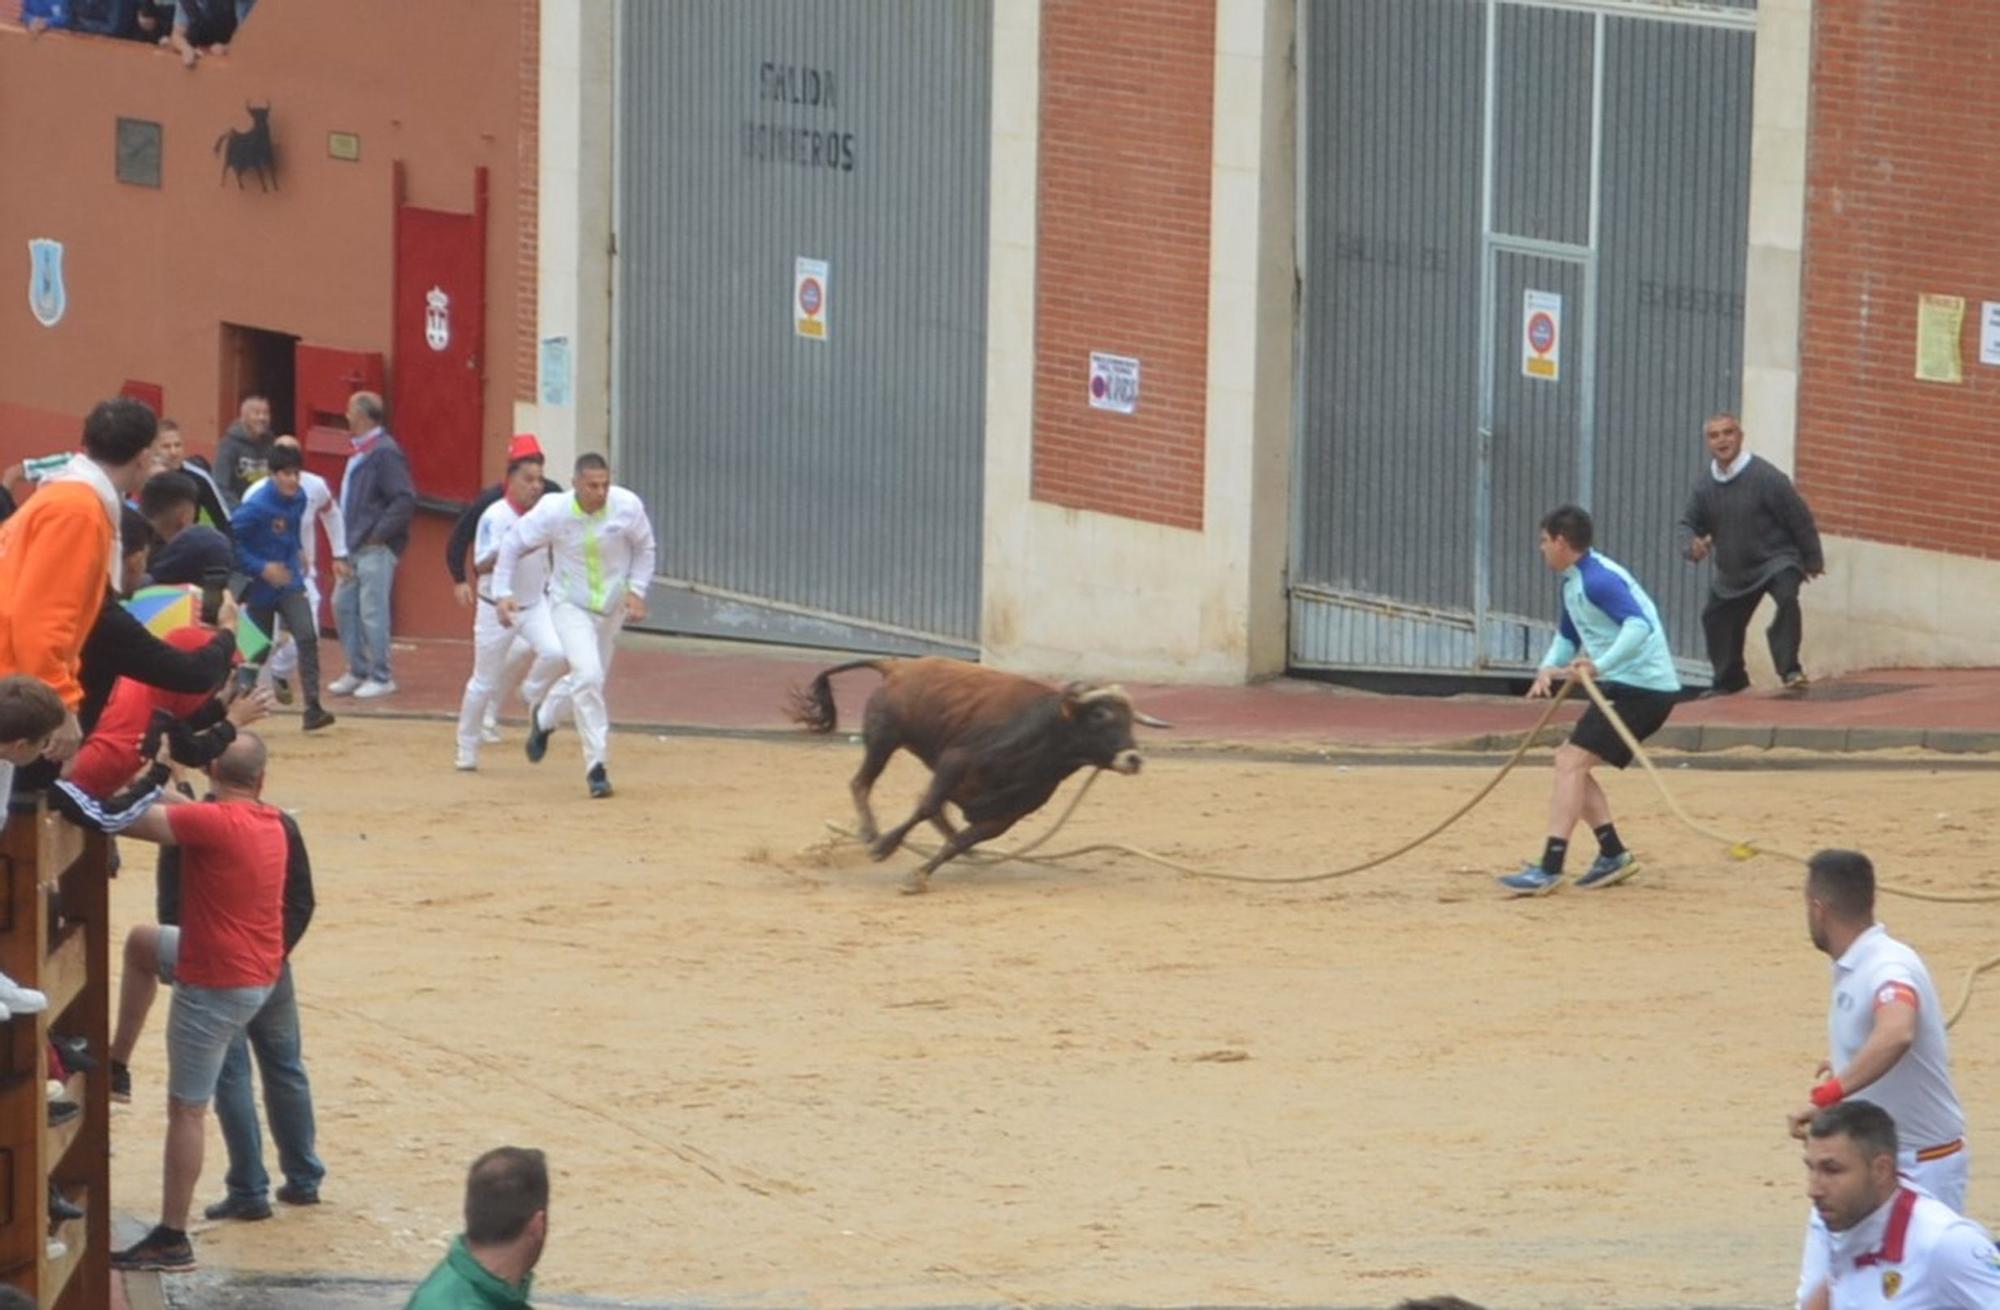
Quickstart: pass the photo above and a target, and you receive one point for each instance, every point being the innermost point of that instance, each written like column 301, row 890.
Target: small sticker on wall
column 555, row 370
column 47, row 299
column 809, row 297
column 1989, row 332
column 1114, row 383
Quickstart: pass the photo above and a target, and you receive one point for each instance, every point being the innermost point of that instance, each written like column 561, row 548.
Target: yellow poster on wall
column 1940, row 320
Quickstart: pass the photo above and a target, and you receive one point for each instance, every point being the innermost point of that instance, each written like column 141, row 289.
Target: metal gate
column 1523, row 243
column 801, row 307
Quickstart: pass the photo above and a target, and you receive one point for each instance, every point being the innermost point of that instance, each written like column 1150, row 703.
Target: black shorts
column 1643, row 711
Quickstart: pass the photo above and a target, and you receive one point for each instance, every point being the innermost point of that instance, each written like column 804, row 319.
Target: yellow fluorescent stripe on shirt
column 593, row 554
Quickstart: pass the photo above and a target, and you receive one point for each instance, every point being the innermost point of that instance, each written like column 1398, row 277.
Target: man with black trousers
column 270, row 527
column 1751, row 520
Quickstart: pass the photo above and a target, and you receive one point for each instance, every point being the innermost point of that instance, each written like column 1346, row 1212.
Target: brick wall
column 1902, row 199
column 527, row 197
column 1121, row 255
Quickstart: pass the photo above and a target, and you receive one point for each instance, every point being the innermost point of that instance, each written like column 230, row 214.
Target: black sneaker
column 281, row 691
column 61, row 1112
column 291, row 1195
column 75, row 1052
column 162, row 1249
column 537, row 744
column 247, row 1208
column 317, row 717
column 121, row 1083
column 61, row 1207
column 600, row 784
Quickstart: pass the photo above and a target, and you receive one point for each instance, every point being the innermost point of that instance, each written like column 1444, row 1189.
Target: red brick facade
column 527, row 198
column 1121, row 252
column 1902, row 200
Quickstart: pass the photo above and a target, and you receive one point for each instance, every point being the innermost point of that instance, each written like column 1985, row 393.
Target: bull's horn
column 1145, row 720
column 1087, row 695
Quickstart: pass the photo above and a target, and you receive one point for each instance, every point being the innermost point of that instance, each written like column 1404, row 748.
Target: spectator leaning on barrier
column 59, row 551
column 506, row 1226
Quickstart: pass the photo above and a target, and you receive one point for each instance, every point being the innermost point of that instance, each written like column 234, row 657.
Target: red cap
column 523, row 446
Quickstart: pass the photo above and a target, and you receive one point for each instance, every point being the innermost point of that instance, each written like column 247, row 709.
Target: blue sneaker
column 1610, row 870
column 1533, row 880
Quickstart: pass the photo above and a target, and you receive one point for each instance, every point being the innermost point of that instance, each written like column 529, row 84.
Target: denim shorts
column 170, row 952
column 200, row 1027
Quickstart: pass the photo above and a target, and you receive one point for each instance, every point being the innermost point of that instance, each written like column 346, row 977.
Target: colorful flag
column 162, row 609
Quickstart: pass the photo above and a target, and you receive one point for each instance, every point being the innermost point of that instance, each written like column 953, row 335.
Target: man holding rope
column 1609, row 630
column 1886, row 1027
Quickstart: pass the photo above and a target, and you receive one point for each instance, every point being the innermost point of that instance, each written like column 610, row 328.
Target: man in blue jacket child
column 269, row 527
column 1611, row 630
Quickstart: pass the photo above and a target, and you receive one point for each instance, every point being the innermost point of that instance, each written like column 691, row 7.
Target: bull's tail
column 811, row 706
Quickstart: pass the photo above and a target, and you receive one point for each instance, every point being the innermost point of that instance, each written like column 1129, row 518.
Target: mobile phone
column 213, row 582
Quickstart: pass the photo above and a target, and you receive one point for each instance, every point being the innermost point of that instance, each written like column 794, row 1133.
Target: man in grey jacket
column 377, row 498
column 1751, row 520
column 244, row 453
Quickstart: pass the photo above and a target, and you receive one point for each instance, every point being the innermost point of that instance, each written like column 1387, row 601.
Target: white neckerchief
column 82, row 468
column 1737, row 465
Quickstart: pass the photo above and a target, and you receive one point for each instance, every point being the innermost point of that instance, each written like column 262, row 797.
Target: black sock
column 1553, row 853
column 171, row 1234
column 1607, row 840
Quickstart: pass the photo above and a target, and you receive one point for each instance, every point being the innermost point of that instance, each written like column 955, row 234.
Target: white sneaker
column 19, row 999
column 467, row 763
column 490, row 734
column 343, row 685
column 57, row 1249
column 371, row 689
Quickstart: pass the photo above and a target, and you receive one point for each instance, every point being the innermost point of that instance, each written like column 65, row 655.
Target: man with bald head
column 231, row 953
column 377, row 499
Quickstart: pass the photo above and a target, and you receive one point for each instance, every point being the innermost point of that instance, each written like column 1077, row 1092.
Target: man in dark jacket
column 377, row 499
column 243, row 455
column 467, row 528
column 1751, row 519
column 188, row 550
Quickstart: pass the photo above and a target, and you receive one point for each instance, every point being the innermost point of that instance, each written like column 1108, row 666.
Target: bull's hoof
column 916, row 885
column 881, row 849
column 868, row 834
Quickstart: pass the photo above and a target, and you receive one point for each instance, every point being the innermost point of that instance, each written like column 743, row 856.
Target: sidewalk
column 672, row 682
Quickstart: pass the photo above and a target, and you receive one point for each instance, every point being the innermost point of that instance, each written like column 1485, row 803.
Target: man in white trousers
column 500, row 650
column 603, row 563
column 323, row 508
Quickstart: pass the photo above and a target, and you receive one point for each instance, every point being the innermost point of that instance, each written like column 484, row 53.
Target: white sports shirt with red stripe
column 1878, row 970
column 1915, row 1253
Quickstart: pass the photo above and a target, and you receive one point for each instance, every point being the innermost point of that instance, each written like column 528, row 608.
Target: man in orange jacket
column 59, row 551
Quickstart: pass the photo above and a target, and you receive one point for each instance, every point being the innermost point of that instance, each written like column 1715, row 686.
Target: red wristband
column 1828, row 1093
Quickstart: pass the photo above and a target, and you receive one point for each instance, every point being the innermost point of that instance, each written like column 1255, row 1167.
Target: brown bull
column 997, row 744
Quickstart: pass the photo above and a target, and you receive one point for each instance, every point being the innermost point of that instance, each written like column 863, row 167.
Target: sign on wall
column 809, row 317
column 1541, row 335
column 1939, row 322
column 1114, row 383
column 1989, row 332
column 46, row 297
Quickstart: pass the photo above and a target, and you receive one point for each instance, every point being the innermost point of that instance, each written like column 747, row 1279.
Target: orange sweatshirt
column 55, row 560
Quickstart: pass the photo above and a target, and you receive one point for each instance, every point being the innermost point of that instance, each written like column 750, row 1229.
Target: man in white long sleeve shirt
column 323, row 508
column 603, row 563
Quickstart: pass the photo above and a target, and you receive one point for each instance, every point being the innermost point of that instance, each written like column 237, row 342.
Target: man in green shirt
column 492, row 1263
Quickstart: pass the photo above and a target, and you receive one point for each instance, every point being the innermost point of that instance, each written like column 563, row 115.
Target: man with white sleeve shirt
column 500, row 649
column 603, row 563
column 323, row 508
column 1886, row 1029
column 1894, row 1246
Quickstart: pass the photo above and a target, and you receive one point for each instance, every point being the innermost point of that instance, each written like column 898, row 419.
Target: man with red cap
column 500, row 652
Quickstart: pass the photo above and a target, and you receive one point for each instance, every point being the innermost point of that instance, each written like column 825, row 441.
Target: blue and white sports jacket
column 1607, row 614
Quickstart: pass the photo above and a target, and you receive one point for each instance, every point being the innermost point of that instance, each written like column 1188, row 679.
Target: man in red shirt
column 232, row 948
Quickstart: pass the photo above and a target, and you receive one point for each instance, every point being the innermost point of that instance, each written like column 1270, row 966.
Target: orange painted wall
column 153, row 274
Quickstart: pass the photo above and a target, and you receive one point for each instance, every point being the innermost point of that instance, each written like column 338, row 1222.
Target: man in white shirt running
column 1892, row 1243
column 323, row 508
column 500, row 650
column 1886, row 1031
column 604, row 553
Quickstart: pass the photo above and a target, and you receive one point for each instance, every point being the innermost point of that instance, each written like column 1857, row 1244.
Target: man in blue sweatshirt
column 1611, row 630
column 269, row 527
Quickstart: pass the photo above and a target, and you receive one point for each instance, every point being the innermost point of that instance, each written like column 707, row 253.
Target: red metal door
column 439, row 412
column 324, row 379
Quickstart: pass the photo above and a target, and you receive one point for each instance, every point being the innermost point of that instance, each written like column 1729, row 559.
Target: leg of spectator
column 1787, row 628
column 136, row 990
column 299, row 619
column 236, row 1115
column 375, row 569
column 201, row 1026
column 276, row 1038
column 347, row 621
column 1724, row 620
column 183, row 1160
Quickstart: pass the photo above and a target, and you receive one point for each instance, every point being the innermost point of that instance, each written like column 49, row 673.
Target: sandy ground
column 762, row 1076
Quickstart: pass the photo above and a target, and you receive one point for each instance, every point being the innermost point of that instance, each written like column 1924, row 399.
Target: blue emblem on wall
column 46, row 296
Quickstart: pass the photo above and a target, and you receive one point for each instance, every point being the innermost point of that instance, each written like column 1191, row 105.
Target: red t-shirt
column 232, row 893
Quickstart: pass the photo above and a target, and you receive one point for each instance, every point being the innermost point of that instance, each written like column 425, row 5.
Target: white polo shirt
column 1915, row 1253
column 1878, row 970
column 531, row 571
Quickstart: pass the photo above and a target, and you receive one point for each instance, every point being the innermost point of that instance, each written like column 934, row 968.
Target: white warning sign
column 1541, row 335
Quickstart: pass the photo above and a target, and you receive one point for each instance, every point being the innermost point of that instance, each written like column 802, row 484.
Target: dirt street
column 763, row 1076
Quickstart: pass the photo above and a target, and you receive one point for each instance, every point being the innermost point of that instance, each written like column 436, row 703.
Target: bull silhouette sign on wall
column 252, row 151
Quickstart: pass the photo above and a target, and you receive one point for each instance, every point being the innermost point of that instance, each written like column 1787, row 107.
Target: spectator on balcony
column 40, row 15
column 104, row 17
